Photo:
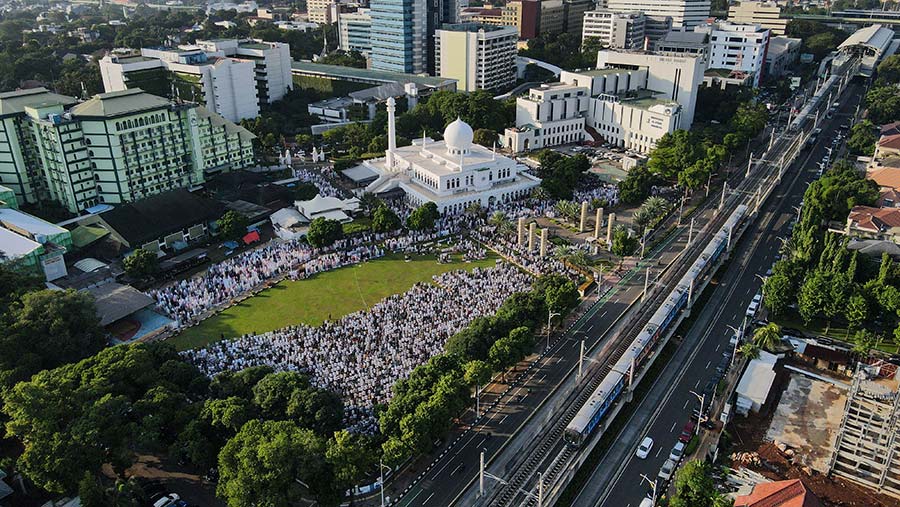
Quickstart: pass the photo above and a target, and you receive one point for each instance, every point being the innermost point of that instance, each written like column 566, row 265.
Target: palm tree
column 568, row 209
column 563, row 252
column 497, row 218
column 767, row 336
column 540, row 194
column 750, row 350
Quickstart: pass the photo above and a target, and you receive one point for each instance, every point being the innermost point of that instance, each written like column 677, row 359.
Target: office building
column 479, row 57
column 765, row 14
column 232, row 77
column 323, row 12
column 737, row 48
column 355, row 31
column 399, row 35
column 115, row 147
column 524, row 15
column 631, row 100
column 616, row 30
column 188, row 73
column 454, row 173
column 687, row 13
column 781, row 56
column 573, row 14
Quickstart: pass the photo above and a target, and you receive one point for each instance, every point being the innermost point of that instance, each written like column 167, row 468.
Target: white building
column 232, row 77
column 221, row 84
column 355, row 31
column 617, row 30
column 479, row 57
column 782, row 54
column 454, row 173
column 737, row 48
column 631, row 100
column 766, row 14
column 687, row 13
column 249, row 7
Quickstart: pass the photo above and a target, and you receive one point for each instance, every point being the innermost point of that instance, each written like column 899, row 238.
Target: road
column 616, row 481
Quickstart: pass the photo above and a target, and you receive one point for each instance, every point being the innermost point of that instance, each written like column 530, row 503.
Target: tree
column 636, row 185
column 305, row 191
column 813, row 296
column 324, row 232
column 233, row 225
column 768, row 336
column 141, row 264
column 486, row 137
column 862, row 139
column 385, row 220
column 562, row 298
column 889, row 69
column 351, row 456
column 750, row 350
column 476, row 372
column 694, row 487
column 883, row 104
column 48, row 328
column 778, row 293
column 260, row 466
column 423, row 217
column 622, row 242
column 675, row 152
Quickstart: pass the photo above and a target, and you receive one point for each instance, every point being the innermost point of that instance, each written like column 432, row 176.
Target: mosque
column 454, row 173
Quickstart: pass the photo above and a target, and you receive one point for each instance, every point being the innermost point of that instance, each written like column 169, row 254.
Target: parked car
column 687, row 433
column 754, row 305
column 643, row 450
column 166, row 500
column 677, row 452
column 668, row 468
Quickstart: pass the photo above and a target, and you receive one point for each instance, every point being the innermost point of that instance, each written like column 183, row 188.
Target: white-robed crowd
column 361, row 355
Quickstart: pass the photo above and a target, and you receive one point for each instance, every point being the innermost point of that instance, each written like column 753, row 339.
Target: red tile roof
column 890, row 128
column 885, row 177
column 891, row 142
column 791, row 493
column 875, row 219
column 889, row 198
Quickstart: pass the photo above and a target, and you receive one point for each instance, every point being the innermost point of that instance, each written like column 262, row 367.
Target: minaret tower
column 392, row 132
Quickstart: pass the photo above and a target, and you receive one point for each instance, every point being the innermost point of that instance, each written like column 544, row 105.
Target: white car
column 677, row 452
column 668, row 468
column 754, row 305
column 166, row 500
column 643, row 450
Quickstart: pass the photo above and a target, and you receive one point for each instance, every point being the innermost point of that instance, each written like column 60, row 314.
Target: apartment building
column 687, row 13
column 272, row 62
column 115, row 147
column 765, row 14
column 683, row 42
column 782, row 54
column 479, row 57
column 617, row 30
column 323, row 12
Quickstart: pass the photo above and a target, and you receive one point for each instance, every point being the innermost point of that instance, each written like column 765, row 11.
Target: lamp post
column 381, row 467
column 550, row 315
column 652, row 486
column 739, row 333
column 702, row 399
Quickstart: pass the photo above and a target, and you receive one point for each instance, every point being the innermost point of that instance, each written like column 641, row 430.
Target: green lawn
column 836, row 331
column 332, row 294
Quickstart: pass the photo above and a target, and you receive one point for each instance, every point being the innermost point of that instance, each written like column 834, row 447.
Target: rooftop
column 13, row 246
column 115, row 301
column 876, row 37
column 118, row 103
column 374, row 76
column 156, row 216
column 474, row 27
column 875, row 219
column 15, row 102
column 32, row 224
column 254, row 45
column 886, row 177
column 791, row 493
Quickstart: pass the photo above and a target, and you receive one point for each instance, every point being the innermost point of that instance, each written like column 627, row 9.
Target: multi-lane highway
column 617, row 482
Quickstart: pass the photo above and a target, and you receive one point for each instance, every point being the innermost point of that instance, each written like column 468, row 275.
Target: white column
column 532, row 227
column 521, row 231
column 392, row 131
column 598, row 223
column 609, row 229
column 581, row 224
column 544, row 242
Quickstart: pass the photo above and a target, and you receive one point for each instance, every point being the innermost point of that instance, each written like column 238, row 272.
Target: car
column 643, row 450
column 668, row 468
column 687, row 433
column 677, row 452
column 646, row 502
column 166, row 500
column 754, row 305
column 733, row 340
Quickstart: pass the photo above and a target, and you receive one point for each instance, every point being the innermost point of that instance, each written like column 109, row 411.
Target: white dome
column 458, row 136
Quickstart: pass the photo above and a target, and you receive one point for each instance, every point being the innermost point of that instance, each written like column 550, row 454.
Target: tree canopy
column 324, row 232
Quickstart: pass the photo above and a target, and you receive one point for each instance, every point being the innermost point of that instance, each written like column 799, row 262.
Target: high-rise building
column 115, row 147
column 616, row 30
column 737, row 48
column 683, row 42
column 479, row 57
column 552, row 17
column 687, row 13
column 765, row 14
column 323, row 12
column 232, row 77
column 631, row 100
column 355, row 31
column 574, row 14
column 399, row 35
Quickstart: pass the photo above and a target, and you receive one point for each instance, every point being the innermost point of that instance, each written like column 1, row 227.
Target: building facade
column 631, row 100
column 687, row 13
column 617, row 30
column 116, row 147
column 781, row 56
column 479, row 57
column 272, row 62
column 765, row 14
column 737, row 48
column 323, row 12
column 355, row 31
column 454, row 173
column 399, row 35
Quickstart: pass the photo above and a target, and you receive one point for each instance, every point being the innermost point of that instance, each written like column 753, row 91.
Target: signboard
column 806, row 57
column 795, row 83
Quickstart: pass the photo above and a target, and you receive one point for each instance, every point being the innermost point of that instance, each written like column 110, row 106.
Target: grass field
column 328, row 295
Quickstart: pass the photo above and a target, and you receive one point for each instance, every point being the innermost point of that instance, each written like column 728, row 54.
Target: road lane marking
column 717, row 346
column 658, row 450
column 592, row 326
column 429, row 498
column 697, row 384
column 707, row 365
column 685, row 404
column 504, row 418
column 673, row 427
column 604, row 313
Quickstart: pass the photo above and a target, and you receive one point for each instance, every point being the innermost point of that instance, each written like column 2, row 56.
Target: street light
column 652, row 486
column 700, row 416
column 550, row 315
column 740, row 337
column 381, row 467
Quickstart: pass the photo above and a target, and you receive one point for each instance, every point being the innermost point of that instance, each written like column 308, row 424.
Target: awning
column 251, row 237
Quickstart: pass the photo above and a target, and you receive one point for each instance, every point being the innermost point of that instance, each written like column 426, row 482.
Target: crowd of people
column 323, row 183
column 602, row 192
column 361, row 355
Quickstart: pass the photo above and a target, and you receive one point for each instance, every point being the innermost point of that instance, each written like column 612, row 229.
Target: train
column 610, row 388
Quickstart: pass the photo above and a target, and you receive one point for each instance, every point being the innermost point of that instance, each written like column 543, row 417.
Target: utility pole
column 749, row 165
column 724, row 191
column 581, row 359
column 646, row 283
